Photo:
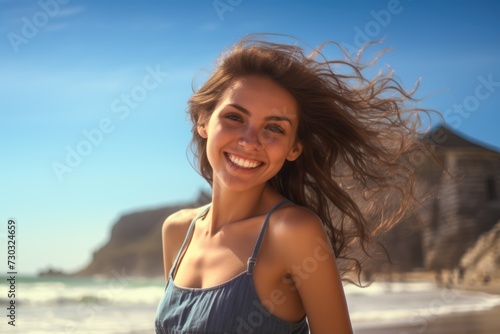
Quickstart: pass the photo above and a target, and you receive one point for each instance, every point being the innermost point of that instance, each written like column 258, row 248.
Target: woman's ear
column 201, row 126
column 202, row 131
column 294, row 152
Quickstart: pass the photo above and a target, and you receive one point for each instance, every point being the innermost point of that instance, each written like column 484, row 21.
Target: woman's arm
column 311, row 263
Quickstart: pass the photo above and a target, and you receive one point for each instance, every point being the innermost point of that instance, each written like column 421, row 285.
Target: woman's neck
column 230, row 206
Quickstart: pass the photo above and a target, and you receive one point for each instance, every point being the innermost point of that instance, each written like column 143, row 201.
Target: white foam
column 102, row 292
column 411, row 303
column 97, row 305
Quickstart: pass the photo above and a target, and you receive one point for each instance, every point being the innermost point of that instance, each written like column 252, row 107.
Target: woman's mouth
column 242, row 162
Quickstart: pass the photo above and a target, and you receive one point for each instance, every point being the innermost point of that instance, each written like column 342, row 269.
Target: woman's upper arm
column 311, row 262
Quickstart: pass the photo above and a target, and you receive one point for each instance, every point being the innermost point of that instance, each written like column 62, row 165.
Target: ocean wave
column 382, row 288
column 415, row 305
column 89, row 292
column 381, row 303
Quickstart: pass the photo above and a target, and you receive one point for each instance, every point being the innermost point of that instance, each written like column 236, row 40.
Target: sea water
column 118, row 304
column 125, row 305
column 410, row 304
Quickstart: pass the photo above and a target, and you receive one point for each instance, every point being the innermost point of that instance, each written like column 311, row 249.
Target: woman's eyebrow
column 268, row 118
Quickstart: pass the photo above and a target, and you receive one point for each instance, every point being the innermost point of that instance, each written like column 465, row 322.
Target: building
column 465, row 203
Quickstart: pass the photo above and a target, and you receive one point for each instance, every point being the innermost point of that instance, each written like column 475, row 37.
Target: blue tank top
column 232, row 307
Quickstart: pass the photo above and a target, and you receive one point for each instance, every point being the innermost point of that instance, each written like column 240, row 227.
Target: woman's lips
column 243, row 162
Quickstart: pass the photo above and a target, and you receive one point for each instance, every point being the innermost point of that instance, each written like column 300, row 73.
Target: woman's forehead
column 254, row 92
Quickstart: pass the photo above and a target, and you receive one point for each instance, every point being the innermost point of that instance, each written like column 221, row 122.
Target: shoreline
column 473, row 321
column 478, row 322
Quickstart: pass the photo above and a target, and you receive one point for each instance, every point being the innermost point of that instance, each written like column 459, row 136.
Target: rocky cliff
column 481, row 263
column 134, row 248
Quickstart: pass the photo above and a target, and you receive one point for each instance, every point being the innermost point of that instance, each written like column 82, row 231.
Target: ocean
column 124, row 305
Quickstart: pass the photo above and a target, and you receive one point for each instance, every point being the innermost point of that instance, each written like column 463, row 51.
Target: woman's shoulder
column 296, row 223
column 294, row 218
column 179, row 221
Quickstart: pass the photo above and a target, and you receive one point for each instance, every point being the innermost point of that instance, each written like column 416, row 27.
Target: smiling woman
column 306, row 165
column 248, row 136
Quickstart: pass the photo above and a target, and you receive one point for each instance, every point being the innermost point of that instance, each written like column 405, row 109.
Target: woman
column 300, row 158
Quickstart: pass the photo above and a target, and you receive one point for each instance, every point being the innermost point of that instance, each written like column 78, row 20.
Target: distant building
column 465, row 203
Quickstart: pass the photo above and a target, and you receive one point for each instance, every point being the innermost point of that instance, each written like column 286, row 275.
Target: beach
column 127, row 305
column 478, row 321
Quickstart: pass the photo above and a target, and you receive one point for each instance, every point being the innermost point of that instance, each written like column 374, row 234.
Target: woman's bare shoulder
column 296, row 219
column 294, row 223
column 174, row 230
column 178, row 223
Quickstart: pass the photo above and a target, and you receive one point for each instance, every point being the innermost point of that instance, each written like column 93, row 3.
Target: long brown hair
column 357, row 134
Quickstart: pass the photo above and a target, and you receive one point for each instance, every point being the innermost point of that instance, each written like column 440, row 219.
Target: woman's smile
column 241, row 162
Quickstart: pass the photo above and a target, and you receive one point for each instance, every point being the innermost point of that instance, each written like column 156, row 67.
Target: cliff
column 481, row 263
column 134, row 247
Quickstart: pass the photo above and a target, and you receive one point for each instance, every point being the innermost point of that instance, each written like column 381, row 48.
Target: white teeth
column 243, row 163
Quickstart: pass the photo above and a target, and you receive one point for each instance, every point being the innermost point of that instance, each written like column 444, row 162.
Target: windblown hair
column 357, row 136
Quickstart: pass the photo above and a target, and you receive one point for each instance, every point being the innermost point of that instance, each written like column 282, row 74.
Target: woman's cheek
column 268, row 138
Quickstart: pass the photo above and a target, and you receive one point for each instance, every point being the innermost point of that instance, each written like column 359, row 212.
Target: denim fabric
column 232, row 307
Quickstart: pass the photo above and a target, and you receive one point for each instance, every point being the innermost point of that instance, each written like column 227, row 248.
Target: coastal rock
column 135, row 248
column 482, row 261
column 52, row 272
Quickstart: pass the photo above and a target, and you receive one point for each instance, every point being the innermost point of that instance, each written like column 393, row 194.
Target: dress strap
column 173, row 270
column 253, row 258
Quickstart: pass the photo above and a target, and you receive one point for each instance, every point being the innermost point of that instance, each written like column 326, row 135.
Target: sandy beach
column 481, row 322
column 477, row 322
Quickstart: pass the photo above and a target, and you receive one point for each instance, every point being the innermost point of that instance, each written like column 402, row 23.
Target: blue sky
column 111, row 82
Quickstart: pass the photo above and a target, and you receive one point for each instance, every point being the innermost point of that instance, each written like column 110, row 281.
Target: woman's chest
column 207, row 262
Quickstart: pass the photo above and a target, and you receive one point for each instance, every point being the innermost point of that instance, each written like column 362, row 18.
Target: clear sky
column 93, row 96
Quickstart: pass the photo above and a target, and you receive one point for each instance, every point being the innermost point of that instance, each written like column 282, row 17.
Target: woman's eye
column 234, row 117
column 275, row 128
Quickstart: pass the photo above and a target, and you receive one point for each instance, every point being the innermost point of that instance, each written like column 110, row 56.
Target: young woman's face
column 251, row 133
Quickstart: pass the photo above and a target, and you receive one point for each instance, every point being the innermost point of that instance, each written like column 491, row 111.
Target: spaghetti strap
column 253, row 258
column 228, row 307
column 173, row 270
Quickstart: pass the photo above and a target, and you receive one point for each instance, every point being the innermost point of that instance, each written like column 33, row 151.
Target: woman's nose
column 250, row 139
